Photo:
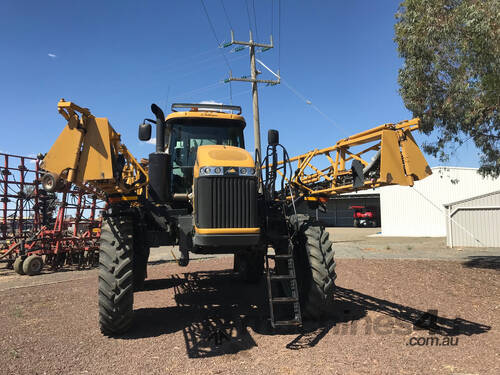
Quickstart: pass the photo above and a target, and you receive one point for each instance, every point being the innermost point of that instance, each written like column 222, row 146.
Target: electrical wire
column 227, row 17
column 272, row 17
column 207, row 67
column 299, row 95
column 200, row 89
column 255, row 20
column 178, row 61
column 218, row 43
column 237, row 94
column 279, row 35
column 248, row 14
column 168, row 95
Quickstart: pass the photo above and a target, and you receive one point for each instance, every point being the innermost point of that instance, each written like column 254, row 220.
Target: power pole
column 253, row 79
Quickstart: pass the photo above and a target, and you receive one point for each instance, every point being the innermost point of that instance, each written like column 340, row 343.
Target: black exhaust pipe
column 160, row 128
column 160, row 167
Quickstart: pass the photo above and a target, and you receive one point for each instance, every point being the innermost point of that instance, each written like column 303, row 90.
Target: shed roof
column 472, row 198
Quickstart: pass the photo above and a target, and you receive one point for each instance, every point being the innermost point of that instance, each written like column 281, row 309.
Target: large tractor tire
column 314, row 266
column 116, row 278
column 249, row 265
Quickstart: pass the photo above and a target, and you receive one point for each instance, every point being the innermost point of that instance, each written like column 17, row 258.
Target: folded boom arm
column 397, row 161
column 88, row 152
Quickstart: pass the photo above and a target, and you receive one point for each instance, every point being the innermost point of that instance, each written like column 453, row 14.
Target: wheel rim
column 35, row 265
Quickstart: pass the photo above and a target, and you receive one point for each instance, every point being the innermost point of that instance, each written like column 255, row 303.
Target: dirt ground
column 366, row 243
column 390, row 316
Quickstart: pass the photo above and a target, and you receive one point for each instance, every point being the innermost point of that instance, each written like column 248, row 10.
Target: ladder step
column 284, row 300
column 287, row 322
column 280, row 256
column 282, row 277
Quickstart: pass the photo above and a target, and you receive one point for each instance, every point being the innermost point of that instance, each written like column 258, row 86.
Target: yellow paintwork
column 415, row 163
column 227, row 230
column 86, row 149
column 391, row 163
column 122, row 198
column 206, row 114
column 222, row 156
column 84, row 153
column 401, row 160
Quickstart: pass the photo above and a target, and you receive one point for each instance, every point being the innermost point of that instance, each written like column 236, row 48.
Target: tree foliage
column 451, row 75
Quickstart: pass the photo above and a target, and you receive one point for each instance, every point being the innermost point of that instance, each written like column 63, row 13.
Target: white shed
column 474, row 222
column 419, row 211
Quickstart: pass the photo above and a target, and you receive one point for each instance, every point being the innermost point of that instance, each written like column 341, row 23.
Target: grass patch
column 14, row 353
column 18, row 312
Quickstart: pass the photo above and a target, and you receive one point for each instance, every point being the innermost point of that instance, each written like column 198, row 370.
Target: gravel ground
column 366, row 243
column 201, row 319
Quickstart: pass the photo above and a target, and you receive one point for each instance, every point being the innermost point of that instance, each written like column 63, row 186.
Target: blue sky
column 117, row 57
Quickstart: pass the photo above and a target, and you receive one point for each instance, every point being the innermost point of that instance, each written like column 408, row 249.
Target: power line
column 200, row 89
column 189, row 65
column 248, row 14
column 225, row 12
column 279, row 35
column 168, row 95
column 237, row 94
column 255, row 20
column 206, row 67
column 217, row 40
column 299, row 95
column 213, row 31
column 188, row 58
column 272, row 17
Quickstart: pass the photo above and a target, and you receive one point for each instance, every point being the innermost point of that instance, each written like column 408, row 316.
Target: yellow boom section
column 89, row 152
column 397, row 161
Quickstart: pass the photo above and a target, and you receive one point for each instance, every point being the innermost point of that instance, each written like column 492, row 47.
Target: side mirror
column 273, row 137
column 145, row 132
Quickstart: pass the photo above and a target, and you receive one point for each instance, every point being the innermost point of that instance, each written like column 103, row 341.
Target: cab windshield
column 185, row 139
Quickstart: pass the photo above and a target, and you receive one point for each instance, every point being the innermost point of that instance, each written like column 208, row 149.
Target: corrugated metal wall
column 419, row 211
column 474, row 222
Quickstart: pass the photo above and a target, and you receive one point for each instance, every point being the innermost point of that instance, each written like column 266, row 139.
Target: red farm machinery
column 39, row 228
column 364, row 216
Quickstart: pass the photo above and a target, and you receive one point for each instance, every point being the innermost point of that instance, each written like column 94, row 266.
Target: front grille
column 226, row 202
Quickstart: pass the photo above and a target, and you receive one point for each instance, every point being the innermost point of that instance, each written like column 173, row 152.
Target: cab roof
column 203, row 110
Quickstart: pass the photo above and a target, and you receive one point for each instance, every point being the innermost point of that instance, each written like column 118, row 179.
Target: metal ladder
column 296, row 320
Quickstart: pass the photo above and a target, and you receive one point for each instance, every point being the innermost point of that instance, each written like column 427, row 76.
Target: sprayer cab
column 178, row 137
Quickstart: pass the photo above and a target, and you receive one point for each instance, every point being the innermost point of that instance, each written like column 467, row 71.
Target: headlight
column 230, row 171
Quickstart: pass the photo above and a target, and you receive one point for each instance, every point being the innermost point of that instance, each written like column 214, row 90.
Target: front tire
column 116, row 278
column 315, row 267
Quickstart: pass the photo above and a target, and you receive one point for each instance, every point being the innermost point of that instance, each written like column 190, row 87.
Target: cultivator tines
column 19, row 196
column 39, row 227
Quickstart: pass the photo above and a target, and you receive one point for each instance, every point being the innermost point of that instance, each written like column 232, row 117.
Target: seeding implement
column 203, row 191
column 30, row 235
